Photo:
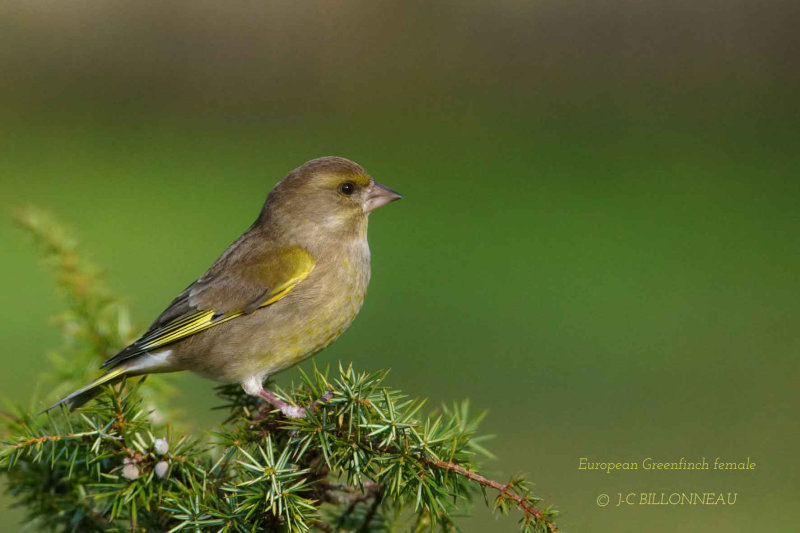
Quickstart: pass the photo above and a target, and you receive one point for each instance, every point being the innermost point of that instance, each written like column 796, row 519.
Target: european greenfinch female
column 283, row 291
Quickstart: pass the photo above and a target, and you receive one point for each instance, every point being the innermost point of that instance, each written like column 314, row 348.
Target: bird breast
column 322, row 307
column 297, row 326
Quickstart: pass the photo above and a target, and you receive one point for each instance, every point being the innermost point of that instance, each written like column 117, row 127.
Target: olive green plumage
column 288, row 287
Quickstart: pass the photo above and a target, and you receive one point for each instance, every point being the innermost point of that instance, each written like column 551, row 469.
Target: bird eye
column 347, row 188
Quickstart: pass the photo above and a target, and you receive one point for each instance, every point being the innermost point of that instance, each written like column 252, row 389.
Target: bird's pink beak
column 379, row 195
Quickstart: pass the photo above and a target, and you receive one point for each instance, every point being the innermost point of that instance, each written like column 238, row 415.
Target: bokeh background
column 598, row 241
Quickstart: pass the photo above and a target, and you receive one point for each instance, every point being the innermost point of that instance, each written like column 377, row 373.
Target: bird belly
column 283, row 334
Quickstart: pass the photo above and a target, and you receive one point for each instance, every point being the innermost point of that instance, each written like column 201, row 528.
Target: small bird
column 283, row 291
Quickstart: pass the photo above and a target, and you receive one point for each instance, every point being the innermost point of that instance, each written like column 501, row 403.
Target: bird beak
column 379, row 195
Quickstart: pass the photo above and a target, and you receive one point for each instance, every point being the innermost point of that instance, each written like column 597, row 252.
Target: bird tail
column 89, row 391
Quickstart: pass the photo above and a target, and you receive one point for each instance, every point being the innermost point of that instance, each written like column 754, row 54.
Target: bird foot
column 292, row 411
column 325, row 398
column 289, row 411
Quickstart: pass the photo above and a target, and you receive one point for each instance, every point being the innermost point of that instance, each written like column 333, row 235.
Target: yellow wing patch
column 296, row 263
column 302, row 264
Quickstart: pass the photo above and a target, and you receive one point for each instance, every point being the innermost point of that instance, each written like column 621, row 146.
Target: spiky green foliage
column 365, row 458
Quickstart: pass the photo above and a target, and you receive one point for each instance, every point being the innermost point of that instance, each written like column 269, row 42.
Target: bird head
column 328, row 193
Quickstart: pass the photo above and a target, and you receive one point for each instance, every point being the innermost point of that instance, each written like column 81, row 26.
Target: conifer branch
column 521, row 501
column 35, row 441
column 365, row 457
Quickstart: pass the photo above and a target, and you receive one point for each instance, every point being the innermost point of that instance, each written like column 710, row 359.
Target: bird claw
column 325, row 398
column 292, row 411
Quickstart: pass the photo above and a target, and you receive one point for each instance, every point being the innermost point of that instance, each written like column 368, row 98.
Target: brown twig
column 504, row 491
column 521, row 501
column 486, row 482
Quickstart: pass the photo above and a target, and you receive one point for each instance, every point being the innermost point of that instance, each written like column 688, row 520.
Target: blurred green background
column 598, row 241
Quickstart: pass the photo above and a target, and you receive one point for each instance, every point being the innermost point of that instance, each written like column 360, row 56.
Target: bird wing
column 232, row 287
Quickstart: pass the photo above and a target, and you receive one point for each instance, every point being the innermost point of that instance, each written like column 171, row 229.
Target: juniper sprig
column 365, row 458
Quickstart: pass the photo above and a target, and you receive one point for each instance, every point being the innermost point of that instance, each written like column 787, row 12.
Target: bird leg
column 292, row 411
column 289, row 411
